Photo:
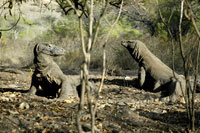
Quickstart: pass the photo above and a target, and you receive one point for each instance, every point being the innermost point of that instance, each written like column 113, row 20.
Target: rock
column 36, row 124
column 12, row 95
column 121, row 103
column 24, row 105
column 86, row 127
column 127, row 78
column 85, row 117
column 13, row 86
column 13, row 112
column 164, row 111
column 112, row 126
column 145, row 101
column 156, row 100
column 110, row 101
column 115, row 131
column 5, row 99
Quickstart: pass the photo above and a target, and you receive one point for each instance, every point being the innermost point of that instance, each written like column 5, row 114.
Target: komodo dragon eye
column 49, row 46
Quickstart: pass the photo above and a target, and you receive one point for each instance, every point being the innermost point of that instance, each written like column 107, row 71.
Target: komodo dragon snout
column 129, row 43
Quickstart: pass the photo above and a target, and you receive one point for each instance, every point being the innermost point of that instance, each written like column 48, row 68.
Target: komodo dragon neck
column 42, row 62
column 136, row 54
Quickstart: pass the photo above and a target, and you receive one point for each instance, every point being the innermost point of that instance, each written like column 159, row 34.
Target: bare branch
column 82, row 37
column 80, row 26
column 104, row 45
column 49, row 3
column 191, row 111
column 13, row 25
column 91, row 19
column 191, row 16
column 169, row 32
column 4, row 4
column 86, row 49
column 104, row 69
column 73, row 7
column 84, row 69
column 98, row 24
column 63, row 8
column 183, row 55
column 108, row 34
column 76, row 9
column 180, row 31
column 83, row 9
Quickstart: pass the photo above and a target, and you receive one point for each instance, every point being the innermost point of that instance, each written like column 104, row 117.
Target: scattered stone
column 164, row 111
column 5, row 99
column 145, row 101
column 36, row 124
column 13, row 112
column 110, row 101
column 115, row 131
column 156, row 100
column 24, row 105
column 13, row 86
column 86, row 127
column 121, row 103
column 107, row 107
column 85, row 117
column 12, row 96
column 127, row 78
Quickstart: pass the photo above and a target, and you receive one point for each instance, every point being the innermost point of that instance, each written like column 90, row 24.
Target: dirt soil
column 121, row 108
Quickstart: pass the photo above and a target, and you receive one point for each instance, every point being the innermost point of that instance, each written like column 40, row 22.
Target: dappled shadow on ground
column 127, row 118
column 39, row 93
column 2, row 90
column 171, row 117
column 119, row 82
column 143, row 120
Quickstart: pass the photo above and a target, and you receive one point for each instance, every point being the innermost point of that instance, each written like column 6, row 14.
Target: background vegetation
column 142, row 21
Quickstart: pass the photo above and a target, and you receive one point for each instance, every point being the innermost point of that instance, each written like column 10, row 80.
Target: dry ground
column 119, row 109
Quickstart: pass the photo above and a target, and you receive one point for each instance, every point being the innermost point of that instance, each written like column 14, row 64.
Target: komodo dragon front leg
column 157, row 86
column 68, row 89
column 141, row 76
column 65, row 91
column 34, row 86
column 32, row 90
column 141, row 79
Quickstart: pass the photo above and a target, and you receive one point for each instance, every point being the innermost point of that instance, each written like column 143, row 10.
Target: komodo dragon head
column 135, row 48
column 48, row 49
column 43, row 53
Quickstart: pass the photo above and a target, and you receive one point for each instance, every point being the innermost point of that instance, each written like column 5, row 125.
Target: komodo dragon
column 153, row 73
column 48, row 76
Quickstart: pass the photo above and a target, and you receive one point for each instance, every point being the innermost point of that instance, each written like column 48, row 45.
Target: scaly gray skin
column 153, row 73
column 48, row 75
